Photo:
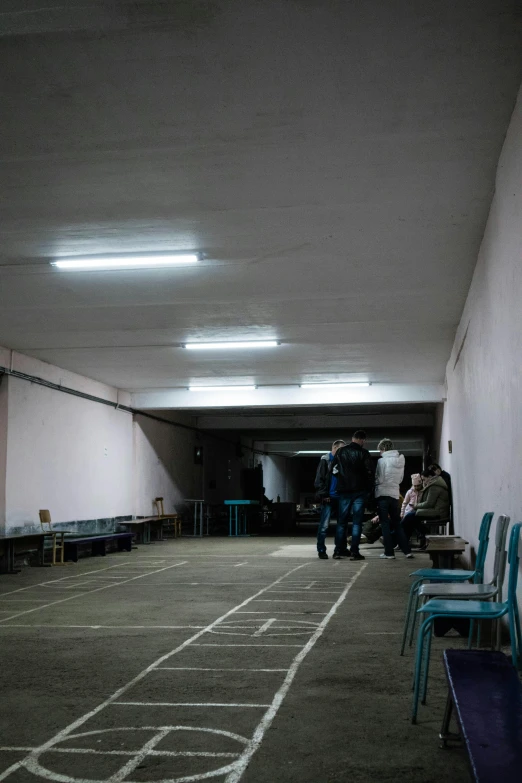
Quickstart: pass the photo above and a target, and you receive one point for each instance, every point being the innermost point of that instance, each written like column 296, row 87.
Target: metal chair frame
column 445, row 575
column 471, row 610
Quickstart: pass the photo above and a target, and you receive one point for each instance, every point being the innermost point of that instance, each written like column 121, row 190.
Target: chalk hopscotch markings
column 34, row 760
column 240, row 766
column 241, row 645
column 57, row 583
column 290, row 612
column 185, row 704
column 30, row 761
column 202, row 669
column 111, row 627
column 86, row 592
column 136, row 757
column 270, row 626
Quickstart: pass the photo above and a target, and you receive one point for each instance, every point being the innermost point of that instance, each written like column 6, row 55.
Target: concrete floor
column 190, row 656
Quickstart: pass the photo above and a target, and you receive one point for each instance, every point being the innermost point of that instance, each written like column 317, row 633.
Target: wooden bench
column 486, row 694
column 439, row 526
column 97, row 544
column 442, row 549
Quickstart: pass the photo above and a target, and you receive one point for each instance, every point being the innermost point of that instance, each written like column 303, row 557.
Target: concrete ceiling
column 333, row 161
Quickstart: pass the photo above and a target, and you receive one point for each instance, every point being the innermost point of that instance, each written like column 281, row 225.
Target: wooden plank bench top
column 447, row 543
column 162, row 518
column 487, row 695
column 442, row 549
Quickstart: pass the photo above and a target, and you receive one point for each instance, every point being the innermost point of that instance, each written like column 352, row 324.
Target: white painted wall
column 70, row 455
column 280, row 478
column 3, row 448
column 164, row 464
column 483, row 412
column 81, row 459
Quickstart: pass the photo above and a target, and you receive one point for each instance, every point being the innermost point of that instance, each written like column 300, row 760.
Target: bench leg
column 71, row 552
column 7, row 561
column 98, row 548
column 445, row 734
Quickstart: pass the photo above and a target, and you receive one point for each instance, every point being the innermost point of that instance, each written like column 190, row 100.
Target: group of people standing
column 346, row 482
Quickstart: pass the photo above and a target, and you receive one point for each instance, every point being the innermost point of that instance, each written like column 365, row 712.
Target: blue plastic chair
column 445, row 575
column 470, row 610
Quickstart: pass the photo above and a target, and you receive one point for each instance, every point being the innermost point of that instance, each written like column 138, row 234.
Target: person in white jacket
column 388, row 476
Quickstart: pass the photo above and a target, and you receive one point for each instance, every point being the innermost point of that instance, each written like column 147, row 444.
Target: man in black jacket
column 352, row 465
column 326, row 491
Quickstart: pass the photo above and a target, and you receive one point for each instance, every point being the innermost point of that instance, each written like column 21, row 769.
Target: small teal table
column 237, row 516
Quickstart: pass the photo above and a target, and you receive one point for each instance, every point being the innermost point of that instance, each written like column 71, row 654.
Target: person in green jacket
column 433, row 503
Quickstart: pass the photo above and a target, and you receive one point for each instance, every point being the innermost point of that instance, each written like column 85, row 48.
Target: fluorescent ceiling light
column 334, row 385
column 226, row 346
column 221, row 388
column 327, row 449
column 126, row 262
column 315, row 451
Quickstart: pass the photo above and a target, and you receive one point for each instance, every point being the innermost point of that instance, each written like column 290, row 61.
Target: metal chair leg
column 518, row 639
column 421, row 601
column 413, row 591
column 418, row 669
column 427, row 664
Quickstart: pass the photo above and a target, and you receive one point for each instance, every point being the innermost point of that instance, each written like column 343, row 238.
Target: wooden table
column 140, row 527
column 442, row 549
column 7, row 559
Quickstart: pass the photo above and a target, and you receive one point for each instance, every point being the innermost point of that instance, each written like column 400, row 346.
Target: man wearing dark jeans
column 390, row 520
column 326, row 492
column 353, row 467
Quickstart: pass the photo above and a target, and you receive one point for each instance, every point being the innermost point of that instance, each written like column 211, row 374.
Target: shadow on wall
column 163, row 465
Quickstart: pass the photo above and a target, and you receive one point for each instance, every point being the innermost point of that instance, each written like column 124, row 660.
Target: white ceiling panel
column 332, row 162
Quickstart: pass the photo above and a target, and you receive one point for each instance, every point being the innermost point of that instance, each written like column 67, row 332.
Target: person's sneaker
column 409, row 556
column 357, row 556
column 387, row 557
column 396, row 547
column 340, row 555
column 322, row 556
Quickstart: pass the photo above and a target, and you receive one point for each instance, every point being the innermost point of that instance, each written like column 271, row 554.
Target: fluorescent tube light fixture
column 334, row 385
column 315, row 451
column 221, row 388
column 126, row 262
column 231, row 345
